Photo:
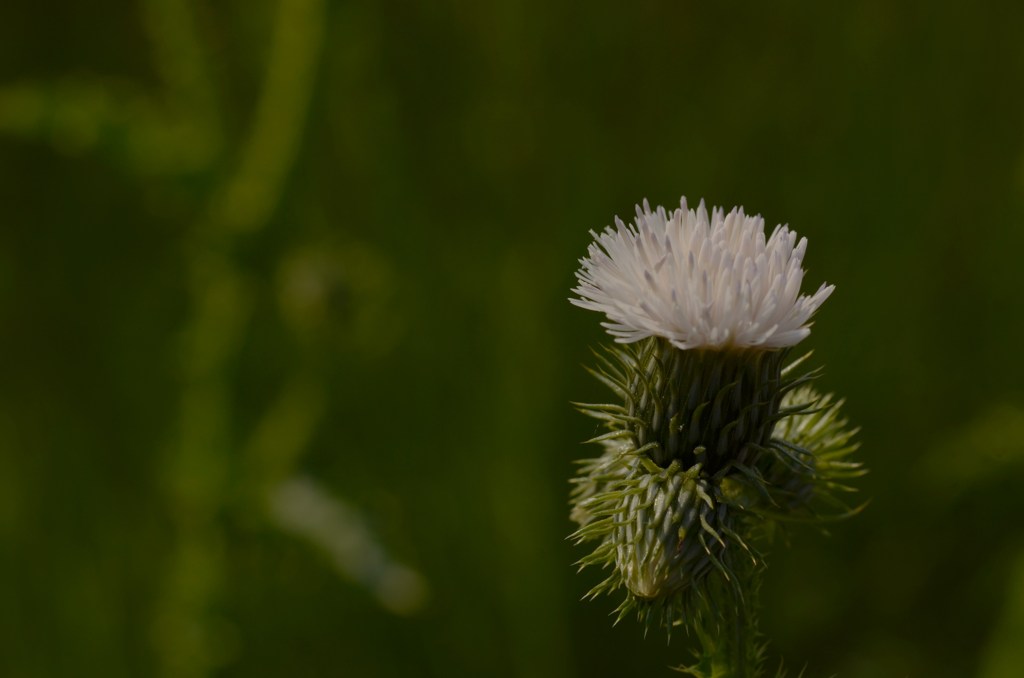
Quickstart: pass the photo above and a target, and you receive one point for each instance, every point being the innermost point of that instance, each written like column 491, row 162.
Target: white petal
column 699, row 281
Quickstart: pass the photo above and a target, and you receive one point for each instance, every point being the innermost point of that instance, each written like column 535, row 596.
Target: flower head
column 699, row 282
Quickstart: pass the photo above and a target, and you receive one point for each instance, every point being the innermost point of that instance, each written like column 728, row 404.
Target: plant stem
column 733, row 651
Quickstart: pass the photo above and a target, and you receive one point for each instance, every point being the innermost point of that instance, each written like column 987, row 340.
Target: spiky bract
column 706, row 449
column 820, row 443
column 696, row 407
column 662, row 532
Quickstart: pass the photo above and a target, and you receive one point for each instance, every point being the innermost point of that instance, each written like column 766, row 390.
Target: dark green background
column 242, row 242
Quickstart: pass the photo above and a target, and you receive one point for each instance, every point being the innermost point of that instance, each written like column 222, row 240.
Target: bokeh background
column 287, row 357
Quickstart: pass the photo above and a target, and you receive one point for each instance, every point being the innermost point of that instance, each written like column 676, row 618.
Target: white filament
column 698, row 282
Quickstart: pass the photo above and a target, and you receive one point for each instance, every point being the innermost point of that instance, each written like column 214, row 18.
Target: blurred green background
column 286, row 352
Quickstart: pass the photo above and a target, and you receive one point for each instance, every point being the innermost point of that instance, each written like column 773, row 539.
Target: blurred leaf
column 304, row 509
column 1004, row 656
column 988, row 449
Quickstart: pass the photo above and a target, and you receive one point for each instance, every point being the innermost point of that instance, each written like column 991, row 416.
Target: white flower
column 697, row 282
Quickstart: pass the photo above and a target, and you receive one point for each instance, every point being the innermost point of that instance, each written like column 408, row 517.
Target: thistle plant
column 715, row 436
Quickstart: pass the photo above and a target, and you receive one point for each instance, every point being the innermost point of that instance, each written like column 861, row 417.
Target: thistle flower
column 713, row 438
column 699, row 282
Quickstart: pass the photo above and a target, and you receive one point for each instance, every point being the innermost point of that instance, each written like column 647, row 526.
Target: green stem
column 733, row 651
column 742, row 650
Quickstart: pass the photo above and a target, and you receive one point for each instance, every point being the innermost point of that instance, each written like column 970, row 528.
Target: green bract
column 707, row 450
